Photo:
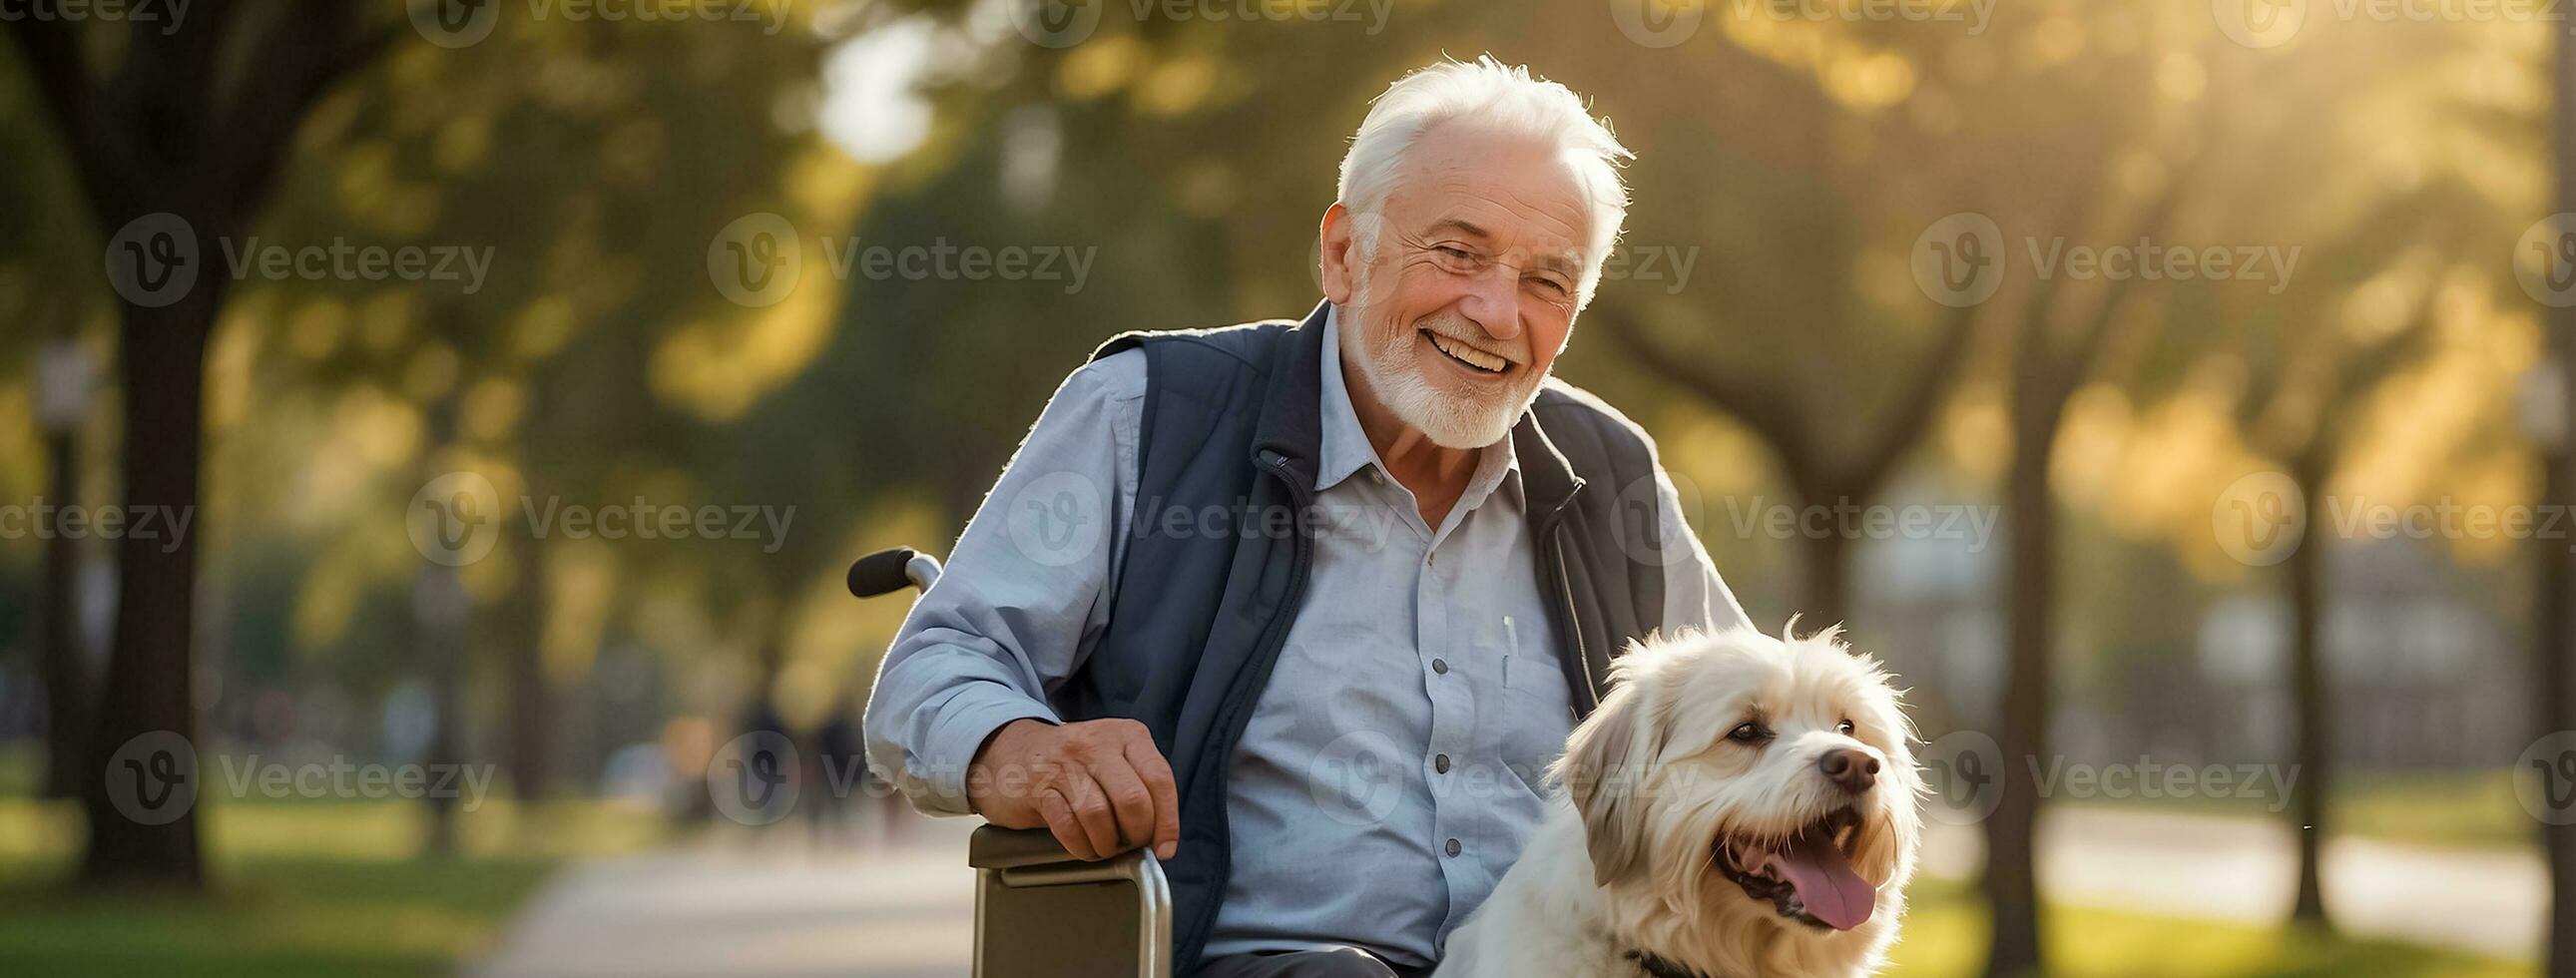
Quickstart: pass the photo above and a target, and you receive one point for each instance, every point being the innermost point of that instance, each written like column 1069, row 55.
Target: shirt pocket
column 1536, row 711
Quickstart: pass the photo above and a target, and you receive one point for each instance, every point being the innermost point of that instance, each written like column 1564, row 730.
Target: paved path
column 767, row 903
column 739, row 903
column 2491, row 902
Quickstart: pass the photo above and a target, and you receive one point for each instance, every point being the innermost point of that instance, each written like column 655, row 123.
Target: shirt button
column 1377, row 477
column 1440, row 666
column 1452, row 847
column 1441, row 764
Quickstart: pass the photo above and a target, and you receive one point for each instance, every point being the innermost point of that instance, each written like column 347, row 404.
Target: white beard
column 1450, row 421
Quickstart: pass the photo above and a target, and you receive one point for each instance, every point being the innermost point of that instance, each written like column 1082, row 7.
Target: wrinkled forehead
column 1511, row 193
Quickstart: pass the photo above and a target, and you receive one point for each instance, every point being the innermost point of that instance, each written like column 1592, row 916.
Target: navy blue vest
column 1231, row 426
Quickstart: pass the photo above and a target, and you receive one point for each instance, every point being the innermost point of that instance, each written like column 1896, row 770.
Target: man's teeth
column 1469, row 355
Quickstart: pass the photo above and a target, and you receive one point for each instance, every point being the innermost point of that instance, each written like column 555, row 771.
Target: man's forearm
column 934, row 707
column 1005, row 623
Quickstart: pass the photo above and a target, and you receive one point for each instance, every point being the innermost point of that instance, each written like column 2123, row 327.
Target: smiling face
column 1805, row 788
column 1750, row 783
column 1460, row 292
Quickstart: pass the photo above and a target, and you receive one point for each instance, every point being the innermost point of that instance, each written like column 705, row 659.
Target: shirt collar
column 1346, row 449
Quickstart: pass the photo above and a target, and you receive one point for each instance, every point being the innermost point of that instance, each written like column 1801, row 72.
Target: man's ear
column 1340, row 271
column 1604, row 771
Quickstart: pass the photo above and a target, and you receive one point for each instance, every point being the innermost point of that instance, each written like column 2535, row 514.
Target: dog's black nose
column 1854, row 770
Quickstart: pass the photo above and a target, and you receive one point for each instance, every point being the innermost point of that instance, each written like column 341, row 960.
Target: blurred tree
column 175, row 129
column 577, row 190
column 2053, row 352
column 2300, row 416
column 2295, row 364
column 1787, row 330
column 2554, row 603
column 2055, row 339
column 63, row 394
column 579, row 151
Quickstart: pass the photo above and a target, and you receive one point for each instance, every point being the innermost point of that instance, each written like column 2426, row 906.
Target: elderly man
column 1308, row 607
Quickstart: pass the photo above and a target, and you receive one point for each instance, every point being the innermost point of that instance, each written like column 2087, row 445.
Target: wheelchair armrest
column 1041, row 912
column 995, row 847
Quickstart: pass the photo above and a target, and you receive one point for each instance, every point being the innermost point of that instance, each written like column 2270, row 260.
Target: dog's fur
column 1627, row 862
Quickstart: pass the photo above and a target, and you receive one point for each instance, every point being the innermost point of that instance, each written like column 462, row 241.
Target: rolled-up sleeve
column 1023, row 596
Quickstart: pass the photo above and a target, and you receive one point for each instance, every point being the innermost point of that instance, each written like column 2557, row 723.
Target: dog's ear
column 1604, row 772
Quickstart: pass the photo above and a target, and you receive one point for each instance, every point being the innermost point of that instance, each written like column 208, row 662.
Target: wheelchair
column 1039, row 912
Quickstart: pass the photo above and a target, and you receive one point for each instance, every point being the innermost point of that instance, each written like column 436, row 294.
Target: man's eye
column 1455, row 257
column 1748, row 733
column 1551, row 286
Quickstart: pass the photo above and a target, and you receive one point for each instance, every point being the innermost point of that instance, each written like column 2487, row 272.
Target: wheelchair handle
column 888, row 571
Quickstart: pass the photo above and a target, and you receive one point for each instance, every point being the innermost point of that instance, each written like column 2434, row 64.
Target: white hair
column 1501, row 98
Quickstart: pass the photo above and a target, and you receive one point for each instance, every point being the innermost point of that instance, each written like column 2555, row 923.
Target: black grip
column 882, row 572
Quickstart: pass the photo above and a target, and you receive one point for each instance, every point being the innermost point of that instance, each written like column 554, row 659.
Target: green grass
column 274, row 917
column 2473, row 809
column 1945, row 935
column 298, row 888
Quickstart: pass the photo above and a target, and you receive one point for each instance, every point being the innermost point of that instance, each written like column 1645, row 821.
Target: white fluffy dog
column 1739, row 806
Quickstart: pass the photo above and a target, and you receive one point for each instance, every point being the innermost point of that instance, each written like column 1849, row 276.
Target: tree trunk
column 440, row 611
column 1824, row 579
column 2011, row 880
column 438, row 604
column 148, row 683
column 66, row 662
column 2551, row 642
column 2311, row 690
column 525, row 646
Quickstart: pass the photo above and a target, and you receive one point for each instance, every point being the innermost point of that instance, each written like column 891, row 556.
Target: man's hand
column 1099, row 785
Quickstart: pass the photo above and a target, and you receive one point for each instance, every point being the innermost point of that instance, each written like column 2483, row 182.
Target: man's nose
column 1493, row 302
column 1852, row 770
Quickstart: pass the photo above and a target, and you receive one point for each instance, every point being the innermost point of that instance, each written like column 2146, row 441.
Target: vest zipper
column 1573, row 615
column 1217, row 760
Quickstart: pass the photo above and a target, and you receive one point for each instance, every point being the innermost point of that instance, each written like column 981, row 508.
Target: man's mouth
column 1807, row 877
column 1468, row 356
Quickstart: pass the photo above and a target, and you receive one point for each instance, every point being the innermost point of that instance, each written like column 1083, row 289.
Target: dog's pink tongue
column 1825, row 882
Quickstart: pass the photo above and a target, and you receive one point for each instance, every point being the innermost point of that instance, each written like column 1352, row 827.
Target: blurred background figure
column 839, row 772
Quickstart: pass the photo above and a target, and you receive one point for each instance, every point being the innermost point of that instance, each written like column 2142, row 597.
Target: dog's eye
column 1748, row 733
column 1844, row 727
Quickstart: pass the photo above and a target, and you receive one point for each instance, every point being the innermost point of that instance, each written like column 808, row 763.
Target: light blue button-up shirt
column 1391, row 768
